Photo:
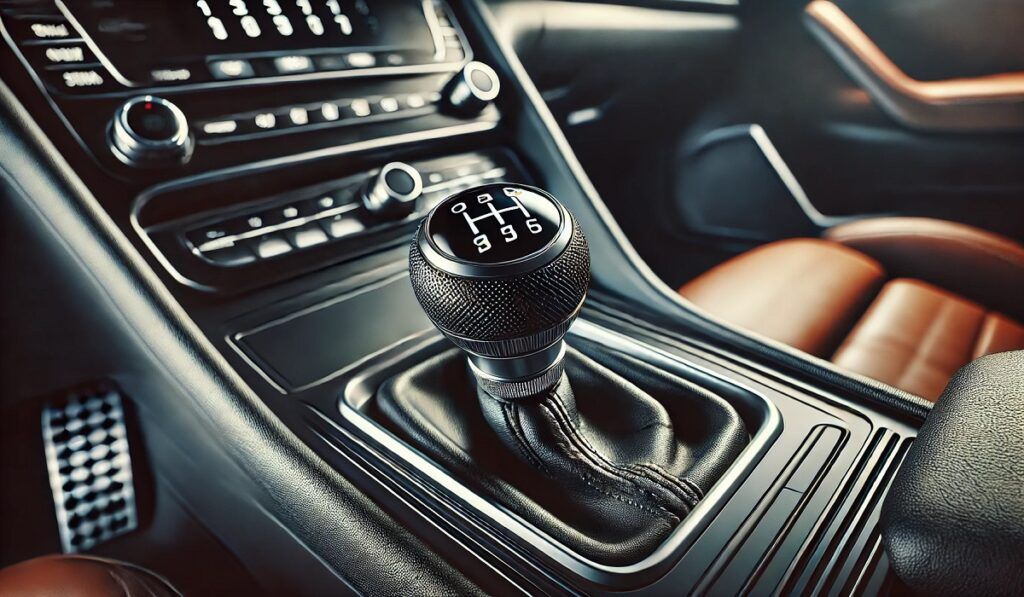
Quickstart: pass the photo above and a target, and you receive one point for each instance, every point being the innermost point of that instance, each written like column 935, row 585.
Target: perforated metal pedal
column 90, row 468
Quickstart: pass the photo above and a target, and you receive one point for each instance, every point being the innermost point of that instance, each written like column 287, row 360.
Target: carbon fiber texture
column 497, row 309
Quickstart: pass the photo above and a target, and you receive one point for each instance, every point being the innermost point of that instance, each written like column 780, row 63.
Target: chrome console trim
column 781, row 168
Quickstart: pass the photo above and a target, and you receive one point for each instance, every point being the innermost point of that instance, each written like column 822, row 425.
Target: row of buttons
column 308, row 115
column 315, row 220
column 276, row 231
column 51, row 43
column 295, row 64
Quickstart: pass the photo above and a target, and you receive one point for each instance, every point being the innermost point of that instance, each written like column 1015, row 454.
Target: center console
column 271, row 161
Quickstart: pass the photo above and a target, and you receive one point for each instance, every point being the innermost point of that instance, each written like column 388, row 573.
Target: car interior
column 542, row 297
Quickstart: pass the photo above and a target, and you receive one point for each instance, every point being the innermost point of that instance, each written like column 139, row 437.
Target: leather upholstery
column 940, row 295
column 81, row 576
column 953, row 521
column 608, row 464
column 783, row 291
column 979, row 265
column 915, row 336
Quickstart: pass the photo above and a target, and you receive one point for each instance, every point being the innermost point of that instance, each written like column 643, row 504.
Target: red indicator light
column 149, row 106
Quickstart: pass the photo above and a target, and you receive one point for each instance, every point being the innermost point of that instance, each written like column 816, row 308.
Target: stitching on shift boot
column 673, row 488
column 586, row 456
column 590, row 457
column 512, row 422
column 684, row 486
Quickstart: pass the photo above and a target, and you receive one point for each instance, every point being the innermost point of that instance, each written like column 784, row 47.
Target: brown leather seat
column 907, row 301
column 81, row 576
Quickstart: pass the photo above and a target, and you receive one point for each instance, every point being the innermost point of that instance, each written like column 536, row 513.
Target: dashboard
column 170, row 102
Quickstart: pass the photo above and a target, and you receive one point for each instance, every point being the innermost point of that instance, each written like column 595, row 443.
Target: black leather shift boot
column 607, row 464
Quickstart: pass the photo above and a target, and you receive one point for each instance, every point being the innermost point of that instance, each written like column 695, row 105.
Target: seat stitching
column 919, row 356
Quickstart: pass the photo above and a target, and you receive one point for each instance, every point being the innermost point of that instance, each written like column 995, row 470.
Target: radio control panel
column 265, row 238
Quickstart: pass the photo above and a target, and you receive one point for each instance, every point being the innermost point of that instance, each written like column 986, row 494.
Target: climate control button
column 149, row 132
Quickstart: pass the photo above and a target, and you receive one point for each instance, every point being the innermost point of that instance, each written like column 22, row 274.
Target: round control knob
column 150, row 132
column 393, row 192
column 502, row 270
column 471, row 90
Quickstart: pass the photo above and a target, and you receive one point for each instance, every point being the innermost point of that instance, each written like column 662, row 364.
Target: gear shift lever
column 502, row 270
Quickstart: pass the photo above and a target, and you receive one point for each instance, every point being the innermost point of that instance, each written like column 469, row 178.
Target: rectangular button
column 266, row 121
column 272, row 245
column 40, row 29
column 298, row 116
column 218, row 128
column 358, row 107
column 232, row 255
column 231, row 69
column 65, row 54
column 173, row 74
column 394, row 59
column 330, row 62
column 306, row 236
column 325, row 112
column 386, row 105
column 79, row 80
column 415, row 101
column 290, row 65
column 342, row 225
column 361, row 60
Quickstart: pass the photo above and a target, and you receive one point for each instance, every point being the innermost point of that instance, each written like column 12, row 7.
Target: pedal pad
column 90, row 468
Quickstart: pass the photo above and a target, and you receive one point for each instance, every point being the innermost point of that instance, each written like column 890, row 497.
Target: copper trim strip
column 989, row 103
column 839, row 26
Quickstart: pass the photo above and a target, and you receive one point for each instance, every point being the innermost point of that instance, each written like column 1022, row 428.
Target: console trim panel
column 360, row 388
column 371, row 144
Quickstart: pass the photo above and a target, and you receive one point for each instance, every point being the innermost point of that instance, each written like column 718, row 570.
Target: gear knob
column 502, row 270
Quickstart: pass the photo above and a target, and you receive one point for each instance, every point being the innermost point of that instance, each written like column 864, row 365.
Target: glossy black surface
column 494, row 224
column 152, row 121
column 207, row 234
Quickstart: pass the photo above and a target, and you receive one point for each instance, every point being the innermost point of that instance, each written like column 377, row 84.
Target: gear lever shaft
column 502, row 270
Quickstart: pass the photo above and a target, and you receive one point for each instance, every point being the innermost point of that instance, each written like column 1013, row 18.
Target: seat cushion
column 835, row 302
column 915, row 336
column 81, row 576
column 806, row 293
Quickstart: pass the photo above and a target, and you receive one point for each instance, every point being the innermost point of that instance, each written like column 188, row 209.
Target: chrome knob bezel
column 132, row 149
column 380, row 198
